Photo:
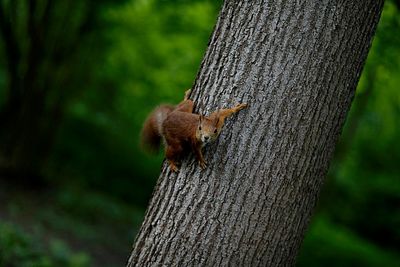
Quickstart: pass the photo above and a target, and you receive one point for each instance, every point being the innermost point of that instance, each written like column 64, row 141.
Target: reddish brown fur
column 183, row 130
column 180, row 132
column 150, row 135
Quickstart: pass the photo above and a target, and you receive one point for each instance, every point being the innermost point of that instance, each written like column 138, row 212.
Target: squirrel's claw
column 203, row 164
column 187, row 93
column 173, row 167
column 241, row 106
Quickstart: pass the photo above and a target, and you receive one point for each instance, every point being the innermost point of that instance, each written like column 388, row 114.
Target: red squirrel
column 182, row 130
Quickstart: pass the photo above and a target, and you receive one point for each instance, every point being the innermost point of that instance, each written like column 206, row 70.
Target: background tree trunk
column 35, row 42
column 297, row 64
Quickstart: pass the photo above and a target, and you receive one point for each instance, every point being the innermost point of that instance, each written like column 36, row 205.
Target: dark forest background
column 77, row 79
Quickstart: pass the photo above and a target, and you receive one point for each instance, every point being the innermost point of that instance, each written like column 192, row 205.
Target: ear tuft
column 217, row 120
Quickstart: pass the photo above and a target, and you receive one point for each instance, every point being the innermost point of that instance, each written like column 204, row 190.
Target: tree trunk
column 297, row 64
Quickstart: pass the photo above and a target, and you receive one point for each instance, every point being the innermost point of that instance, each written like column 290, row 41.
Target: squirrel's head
column 207, row 129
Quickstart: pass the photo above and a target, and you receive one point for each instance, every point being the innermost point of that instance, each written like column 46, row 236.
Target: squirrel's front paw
column 203, row 164
column 241, row 106
column 187, row 93
column 173, row 167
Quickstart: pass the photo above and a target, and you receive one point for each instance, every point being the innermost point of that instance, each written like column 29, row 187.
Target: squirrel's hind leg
column 228, row 112
column 185, row 106
column 187, row 93
column 172, row 155
column 222, row 114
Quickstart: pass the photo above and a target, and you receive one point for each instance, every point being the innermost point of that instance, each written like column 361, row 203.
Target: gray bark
column 297, row 64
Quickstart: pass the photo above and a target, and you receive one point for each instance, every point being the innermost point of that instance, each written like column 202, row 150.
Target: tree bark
column 297, row 64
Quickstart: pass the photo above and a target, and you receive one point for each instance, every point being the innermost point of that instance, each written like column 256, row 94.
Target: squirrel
column 182, row 130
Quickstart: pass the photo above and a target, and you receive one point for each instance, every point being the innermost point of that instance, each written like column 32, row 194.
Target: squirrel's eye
column 215, row 131
column 199, row 128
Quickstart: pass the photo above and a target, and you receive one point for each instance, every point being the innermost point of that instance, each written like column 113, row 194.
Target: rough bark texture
column 297, row 64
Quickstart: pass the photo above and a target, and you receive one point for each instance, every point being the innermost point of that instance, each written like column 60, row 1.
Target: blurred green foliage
column 72, row 176
column 154, row 54
column 19, row 249
column 330, row 244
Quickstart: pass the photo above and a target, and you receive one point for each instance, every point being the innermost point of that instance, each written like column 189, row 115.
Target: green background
column 77, row 79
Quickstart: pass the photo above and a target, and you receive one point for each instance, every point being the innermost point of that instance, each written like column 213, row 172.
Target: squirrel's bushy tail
column 152, row 128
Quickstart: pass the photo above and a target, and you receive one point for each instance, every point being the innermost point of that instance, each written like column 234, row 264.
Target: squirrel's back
column 180, row 126
column 152, row 128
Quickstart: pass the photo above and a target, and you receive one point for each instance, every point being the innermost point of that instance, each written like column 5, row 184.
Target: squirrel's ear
column 217, row 119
